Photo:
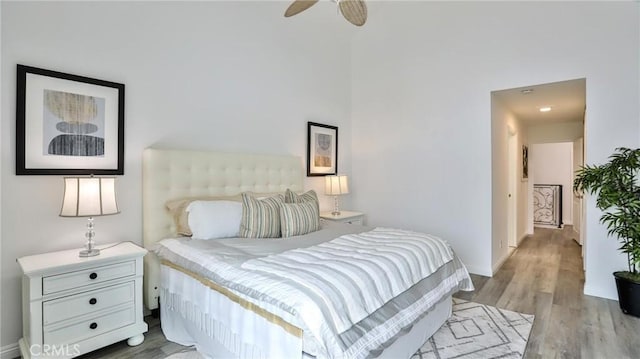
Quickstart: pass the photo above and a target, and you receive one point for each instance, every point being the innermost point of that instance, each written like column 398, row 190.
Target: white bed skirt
column 192, row 314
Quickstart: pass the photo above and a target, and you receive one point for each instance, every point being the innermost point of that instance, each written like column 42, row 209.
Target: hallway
column 544, row 277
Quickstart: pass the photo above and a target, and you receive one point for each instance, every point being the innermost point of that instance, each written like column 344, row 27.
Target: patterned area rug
column 190, row 354
column 479, row 331
column 473, row 331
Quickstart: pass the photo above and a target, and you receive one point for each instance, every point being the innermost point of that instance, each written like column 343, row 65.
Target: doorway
column 522, row 117
column 553, row 182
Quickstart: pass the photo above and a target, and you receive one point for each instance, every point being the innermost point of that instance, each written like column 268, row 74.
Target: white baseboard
column 501, row 261
column 479, row 271
column 506, row 256
column 522, row 237
column 553, row 226
column 576, row 236
column 10, row 351
column 599, row 292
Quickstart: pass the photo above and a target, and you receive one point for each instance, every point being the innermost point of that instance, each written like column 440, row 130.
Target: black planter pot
column 628, row 295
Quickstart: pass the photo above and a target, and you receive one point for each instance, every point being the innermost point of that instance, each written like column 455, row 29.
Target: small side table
column 344, row 217
column 73, row 305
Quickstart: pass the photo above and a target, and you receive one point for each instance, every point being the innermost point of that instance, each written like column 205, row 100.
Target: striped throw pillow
column 260, row 217
column 299, row 218
column 292, row 197
column 309, row 196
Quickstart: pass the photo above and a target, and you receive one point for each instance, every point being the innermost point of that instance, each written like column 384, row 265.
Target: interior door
column 578, row 161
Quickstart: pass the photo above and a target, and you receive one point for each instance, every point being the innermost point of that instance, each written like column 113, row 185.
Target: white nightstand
column 344, row 217
column 73, row 305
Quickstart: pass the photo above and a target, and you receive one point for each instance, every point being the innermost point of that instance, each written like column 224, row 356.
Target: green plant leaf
column 615, row 185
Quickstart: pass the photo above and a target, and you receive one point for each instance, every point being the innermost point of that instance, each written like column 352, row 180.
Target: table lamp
column 336, row 186
column 89, row 197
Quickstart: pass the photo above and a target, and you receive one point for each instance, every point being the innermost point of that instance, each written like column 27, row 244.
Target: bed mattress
column 362, row 315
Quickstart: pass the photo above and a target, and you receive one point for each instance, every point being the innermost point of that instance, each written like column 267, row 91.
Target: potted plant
column 618, row 195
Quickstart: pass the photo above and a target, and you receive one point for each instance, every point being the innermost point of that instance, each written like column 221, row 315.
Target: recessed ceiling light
column 545, row 109
column 526, row 91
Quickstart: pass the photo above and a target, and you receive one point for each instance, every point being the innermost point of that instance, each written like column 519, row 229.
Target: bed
column 217, row 294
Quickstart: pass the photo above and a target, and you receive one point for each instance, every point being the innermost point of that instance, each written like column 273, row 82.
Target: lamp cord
column 117, row 244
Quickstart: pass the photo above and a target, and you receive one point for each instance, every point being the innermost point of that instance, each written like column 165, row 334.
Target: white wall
column 553, row 164
column 556, row 132
column 501, row 121
column 421, row 111
column 523, row 229
column 229, row 76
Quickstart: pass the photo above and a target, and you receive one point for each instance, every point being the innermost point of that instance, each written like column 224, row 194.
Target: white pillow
column 214, row 219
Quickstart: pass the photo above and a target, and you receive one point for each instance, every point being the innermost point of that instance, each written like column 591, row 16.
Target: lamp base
column 336, row 207
column 89, row 252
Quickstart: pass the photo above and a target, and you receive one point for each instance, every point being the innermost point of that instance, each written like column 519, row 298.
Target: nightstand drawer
column 348, row 217
column 87, row 328
column 85, row 303
column 86, row 277
column 355, row 221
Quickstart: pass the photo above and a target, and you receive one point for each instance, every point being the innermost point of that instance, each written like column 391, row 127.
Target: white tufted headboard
column 173, row 174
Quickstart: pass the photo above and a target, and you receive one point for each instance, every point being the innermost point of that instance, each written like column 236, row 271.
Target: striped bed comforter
column 355, row 293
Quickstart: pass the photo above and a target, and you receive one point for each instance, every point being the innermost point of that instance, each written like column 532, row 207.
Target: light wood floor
column 543, row 277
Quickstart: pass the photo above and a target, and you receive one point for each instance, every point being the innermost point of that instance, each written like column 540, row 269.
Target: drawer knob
column 93, row 301
column 93, row 325
column 93, row 275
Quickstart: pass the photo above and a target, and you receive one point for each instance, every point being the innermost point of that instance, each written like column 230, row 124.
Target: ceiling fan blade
column 355, row 11
column 299, row 6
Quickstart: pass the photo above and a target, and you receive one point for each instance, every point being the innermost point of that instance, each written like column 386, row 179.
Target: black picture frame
column 68, row 124
column 525, row 162
column 322, row 149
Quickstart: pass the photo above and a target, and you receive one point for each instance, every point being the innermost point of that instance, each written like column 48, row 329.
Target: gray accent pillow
column 292, row 197
column 260, row 217
column 299, row 218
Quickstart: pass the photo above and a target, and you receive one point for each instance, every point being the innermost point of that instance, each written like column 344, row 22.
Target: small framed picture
column 322, row 149
column 68, row 124
column 525, row 162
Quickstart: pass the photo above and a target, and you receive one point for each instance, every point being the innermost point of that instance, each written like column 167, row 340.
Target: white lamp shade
column 88, row 197
column 336, row 185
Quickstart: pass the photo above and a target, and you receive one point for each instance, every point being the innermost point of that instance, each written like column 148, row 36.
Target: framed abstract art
column 68, row 124
column 322, row 149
